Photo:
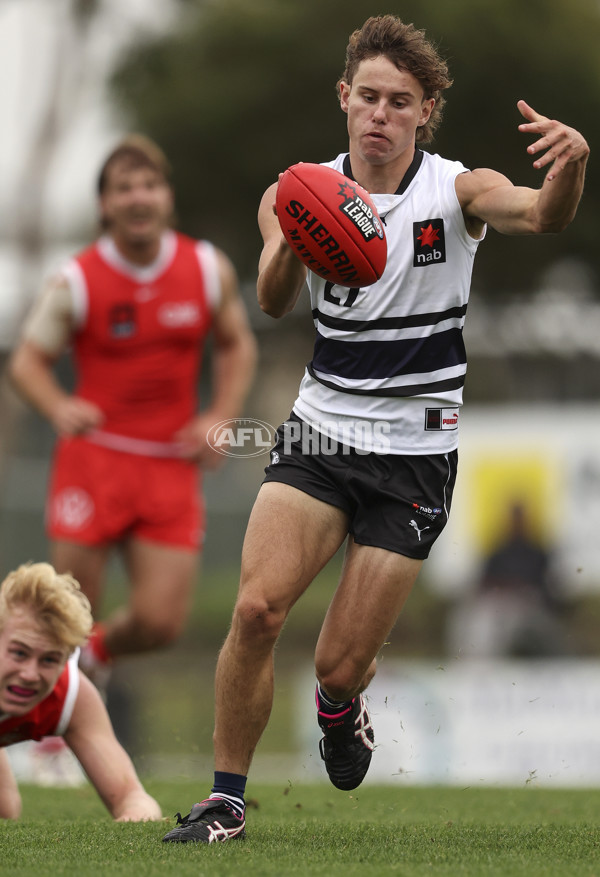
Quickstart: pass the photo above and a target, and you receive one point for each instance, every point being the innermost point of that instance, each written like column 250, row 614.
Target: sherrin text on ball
column 331, row 224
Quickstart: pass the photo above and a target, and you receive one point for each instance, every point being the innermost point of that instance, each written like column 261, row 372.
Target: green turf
column 314, row 830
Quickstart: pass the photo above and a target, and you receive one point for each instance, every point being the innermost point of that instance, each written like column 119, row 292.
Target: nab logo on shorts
column 429, row 243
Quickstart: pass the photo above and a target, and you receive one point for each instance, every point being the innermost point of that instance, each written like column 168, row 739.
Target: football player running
column 395, row 356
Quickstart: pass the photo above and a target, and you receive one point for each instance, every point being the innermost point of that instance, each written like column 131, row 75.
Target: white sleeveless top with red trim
column 139, row 337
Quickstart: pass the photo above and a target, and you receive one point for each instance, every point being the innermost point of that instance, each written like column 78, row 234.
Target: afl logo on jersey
column 429, row 243
column 177, row 315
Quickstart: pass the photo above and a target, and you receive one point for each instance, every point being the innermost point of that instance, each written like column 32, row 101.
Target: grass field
column 315, row 830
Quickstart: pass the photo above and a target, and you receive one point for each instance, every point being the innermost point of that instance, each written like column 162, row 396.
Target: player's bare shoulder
column 52, row 319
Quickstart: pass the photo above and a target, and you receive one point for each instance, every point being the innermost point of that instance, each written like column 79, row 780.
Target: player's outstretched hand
column 560, row 143
column 138, row 806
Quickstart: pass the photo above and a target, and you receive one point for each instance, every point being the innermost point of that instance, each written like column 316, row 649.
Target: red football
column 331, row 224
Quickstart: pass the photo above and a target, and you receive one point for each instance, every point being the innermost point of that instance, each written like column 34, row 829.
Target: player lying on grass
column 44, row 618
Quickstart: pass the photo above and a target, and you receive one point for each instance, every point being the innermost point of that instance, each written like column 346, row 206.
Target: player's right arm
column 10, row 799
column 91, row 737
column 47, row 332
column 281, row 275
column 489, row 197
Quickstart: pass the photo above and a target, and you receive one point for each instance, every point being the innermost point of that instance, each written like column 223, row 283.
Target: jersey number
column 350, row 298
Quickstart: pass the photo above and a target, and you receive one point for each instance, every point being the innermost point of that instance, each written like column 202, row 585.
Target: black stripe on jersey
column 407, row 322
column 411, row 390
column 372, row 360
column 406, row 180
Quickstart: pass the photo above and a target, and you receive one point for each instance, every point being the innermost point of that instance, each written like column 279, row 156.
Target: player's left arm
column 10, row 798
column 233, row 367
column 110, row 770
column 489, row 197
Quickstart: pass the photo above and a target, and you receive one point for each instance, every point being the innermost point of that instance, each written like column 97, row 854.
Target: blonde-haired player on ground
column 44, row 619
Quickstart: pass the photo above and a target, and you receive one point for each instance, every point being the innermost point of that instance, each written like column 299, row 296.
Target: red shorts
column 98, row 496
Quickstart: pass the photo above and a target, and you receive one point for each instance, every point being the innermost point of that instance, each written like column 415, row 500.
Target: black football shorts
column 397, row 502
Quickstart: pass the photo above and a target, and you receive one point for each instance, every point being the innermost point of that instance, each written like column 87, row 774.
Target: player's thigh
column 373, row 588
column 87, row 563
column 162, row 579
column 289, row 539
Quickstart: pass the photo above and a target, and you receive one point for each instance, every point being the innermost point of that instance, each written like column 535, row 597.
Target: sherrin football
column 331, row 224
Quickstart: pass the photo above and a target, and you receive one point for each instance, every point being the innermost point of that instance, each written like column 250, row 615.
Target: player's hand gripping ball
column 331, row 224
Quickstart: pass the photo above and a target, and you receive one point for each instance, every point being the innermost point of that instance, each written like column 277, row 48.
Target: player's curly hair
column 56, row 601
column 407, row 48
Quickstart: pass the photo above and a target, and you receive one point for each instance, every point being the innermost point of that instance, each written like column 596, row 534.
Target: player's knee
column 256, row 618
column 160, row 632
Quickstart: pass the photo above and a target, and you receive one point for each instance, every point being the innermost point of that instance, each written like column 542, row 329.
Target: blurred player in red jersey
column 44, row 618
column 136, row 307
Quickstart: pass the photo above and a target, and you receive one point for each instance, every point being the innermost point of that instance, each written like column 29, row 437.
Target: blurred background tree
column 238, row 91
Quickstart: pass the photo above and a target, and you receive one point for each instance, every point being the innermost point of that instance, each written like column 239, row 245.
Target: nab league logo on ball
column 360, row 213
column 241, row 437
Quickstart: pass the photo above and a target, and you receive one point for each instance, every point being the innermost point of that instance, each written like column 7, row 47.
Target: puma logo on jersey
column 415, row 526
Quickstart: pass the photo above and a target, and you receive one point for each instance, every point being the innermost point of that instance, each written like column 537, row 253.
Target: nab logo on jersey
column 122, row 321
column 429, row 243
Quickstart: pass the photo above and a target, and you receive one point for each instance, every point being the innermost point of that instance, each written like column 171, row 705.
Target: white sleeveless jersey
column 389, row 360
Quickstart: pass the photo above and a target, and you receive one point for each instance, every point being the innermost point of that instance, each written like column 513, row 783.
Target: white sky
column 30, row 31
column 33, row 34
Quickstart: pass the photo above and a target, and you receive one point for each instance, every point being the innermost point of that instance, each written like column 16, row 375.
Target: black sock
column 326, row 704
column 231, row 787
